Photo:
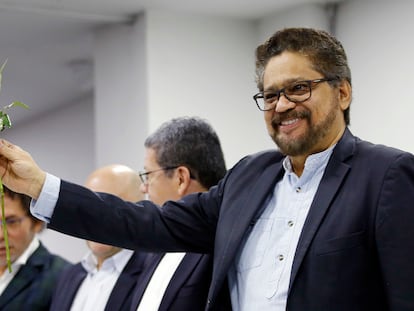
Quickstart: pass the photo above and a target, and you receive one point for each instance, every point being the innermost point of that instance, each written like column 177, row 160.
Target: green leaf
column 5, row 122
column 19, row 104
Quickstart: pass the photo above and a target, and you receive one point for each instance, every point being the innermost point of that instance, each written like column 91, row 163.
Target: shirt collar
column 117, row 261
column 34, row 244
column 313, row 162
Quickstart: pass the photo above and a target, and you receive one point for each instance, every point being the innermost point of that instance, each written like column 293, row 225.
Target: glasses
column 13, row 222
column 297, row 92
column 144, row 175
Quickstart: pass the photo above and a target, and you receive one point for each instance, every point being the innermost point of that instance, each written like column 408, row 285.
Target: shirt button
column 290, row 223
column 298, row 189
column 280, row 257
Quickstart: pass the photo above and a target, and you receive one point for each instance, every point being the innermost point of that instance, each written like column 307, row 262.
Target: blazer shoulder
column 351, row 146
column 380, row 151
column 51, row 262
column 260, row 159
column 71, row 270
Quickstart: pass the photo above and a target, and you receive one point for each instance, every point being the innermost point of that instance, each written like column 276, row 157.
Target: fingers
column 7, row 144
column 8, row 150
column 4, row 142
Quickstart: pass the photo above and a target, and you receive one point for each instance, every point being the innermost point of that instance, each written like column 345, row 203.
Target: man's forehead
column 150, row 158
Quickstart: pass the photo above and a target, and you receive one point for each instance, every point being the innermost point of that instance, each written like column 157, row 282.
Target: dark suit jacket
column 356, row 249
column 32, row 287
column 120, row 297
column 188, row 287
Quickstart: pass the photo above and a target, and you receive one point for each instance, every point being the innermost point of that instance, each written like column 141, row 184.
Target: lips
column 3, row 249
column 289, row 118
column 289, row 122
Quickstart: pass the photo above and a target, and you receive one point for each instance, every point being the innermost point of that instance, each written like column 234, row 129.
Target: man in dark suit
column 182, row 156
column 323, row 223
column 106, row 277
column 34, row 271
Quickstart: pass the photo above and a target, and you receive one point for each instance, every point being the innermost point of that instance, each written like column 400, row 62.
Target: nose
column 143, row 188
column 284, row 104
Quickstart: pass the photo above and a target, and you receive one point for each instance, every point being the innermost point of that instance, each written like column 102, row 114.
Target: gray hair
column 191, row 142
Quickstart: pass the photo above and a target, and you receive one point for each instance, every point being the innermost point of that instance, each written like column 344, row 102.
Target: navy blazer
column 32, row 287
column 120, row 297
column 188, row 287
column 355, row 252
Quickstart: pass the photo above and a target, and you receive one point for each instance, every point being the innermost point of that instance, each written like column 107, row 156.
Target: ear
column 345, row 94
column 184, row 180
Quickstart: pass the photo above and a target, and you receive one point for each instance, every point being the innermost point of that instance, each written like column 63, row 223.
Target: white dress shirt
column 159, row 281
column 96, row 288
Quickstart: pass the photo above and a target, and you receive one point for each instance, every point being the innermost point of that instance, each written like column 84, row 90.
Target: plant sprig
column 6, row 123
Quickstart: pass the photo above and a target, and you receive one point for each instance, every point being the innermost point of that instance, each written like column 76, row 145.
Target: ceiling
column 48, row 43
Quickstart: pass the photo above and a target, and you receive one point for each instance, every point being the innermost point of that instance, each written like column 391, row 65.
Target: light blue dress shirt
column 260, row 276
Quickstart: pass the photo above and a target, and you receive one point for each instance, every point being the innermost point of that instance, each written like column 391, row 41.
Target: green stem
column 4, row 226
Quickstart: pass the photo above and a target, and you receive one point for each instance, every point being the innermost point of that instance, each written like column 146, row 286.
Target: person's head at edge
column 299, row 54
column 118, row 180
column 182, row 156
column 21, row 226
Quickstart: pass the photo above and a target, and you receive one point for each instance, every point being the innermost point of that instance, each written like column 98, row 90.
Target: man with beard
column 325, row 223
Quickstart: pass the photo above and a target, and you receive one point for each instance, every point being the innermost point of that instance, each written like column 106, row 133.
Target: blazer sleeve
column 145, row 226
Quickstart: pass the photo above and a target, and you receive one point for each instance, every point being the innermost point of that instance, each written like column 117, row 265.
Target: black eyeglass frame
column 144, row 175
column 311, row 85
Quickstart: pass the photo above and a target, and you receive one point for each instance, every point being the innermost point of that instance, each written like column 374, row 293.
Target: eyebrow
column 285, row 83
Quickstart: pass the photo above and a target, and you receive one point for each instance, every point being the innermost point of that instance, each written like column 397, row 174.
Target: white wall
column 378, row 38
column 205, row 66
column 120, row 94
column 198, row 65
column 308, row 15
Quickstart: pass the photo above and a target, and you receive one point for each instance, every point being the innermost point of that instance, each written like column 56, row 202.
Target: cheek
column 268, row 116
column 20, row 239
column 162, row 193
column 17, row 235
column 155, row 196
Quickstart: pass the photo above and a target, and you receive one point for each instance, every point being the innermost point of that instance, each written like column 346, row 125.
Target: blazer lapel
column 126, row 282
column 335, row 172
column 24, row 277
column 185, row 268
column 151, row 262
column 241, row 219
column 65, row 296
column 26, row 274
